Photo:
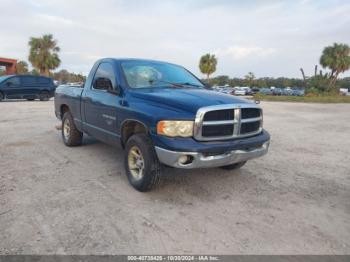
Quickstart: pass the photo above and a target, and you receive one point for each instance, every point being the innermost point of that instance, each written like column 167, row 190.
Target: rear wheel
column 141, row 163
column 44, row 96
column 70, row 134
column 234, row 166
column 1, row 96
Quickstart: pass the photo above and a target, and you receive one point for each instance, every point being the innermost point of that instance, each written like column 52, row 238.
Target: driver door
column 101, row 106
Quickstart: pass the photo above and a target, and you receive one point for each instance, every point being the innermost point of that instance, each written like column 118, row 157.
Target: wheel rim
column 136, row 163
column 66, row 129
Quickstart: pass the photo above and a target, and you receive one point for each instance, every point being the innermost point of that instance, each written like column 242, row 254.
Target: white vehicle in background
column 227, row 90
column 240, row 91
column 248, row 90
column 345, row 91
column 221, row 89
column 81, row 84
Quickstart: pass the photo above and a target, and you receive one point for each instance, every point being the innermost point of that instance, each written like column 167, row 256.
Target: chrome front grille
column 223, row 122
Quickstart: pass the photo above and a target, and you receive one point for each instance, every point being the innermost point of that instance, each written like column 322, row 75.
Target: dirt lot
column 295, row 200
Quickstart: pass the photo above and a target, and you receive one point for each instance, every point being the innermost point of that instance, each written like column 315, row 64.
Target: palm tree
column 337, row 59
column 207, row 64
column 43, row 54
column 22, row 67
column 250, row 78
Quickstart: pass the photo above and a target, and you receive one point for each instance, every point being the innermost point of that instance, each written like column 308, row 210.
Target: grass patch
column 305, row 99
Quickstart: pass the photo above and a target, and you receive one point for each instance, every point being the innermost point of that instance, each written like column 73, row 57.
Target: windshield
column 143, row 74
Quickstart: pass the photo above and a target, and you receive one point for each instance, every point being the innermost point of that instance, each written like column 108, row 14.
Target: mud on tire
column 151, row 172
column 70, row 134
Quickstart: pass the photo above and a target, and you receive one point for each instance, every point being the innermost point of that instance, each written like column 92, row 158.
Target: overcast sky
column 269, row 38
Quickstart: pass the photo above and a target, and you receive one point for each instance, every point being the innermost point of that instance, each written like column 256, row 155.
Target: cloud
column 269, row 38
column 55, row 19
column 242, row 52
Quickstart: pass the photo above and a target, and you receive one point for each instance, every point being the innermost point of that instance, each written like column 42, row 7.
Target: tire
column 149, row 172
column 234, row 166
column 1, row 96
column 44, row 96
column 70, row 134
column 30, row 99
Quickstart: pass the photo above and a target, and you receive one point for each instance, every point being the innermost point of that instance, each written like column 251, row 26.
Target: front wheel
column 234, row 166
column 141, row 163
column 1, row 96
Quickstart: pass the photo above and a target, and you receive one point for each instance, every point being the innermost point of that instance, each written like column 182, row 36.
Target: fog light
column 183, row 159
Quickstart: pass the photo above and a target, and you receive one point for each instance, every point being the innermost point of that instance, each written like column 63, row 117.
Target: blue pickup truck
column 160, row 114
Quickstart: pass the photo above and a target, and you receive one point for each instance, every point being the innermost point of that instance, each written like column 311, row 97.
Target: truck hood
column 187, row 99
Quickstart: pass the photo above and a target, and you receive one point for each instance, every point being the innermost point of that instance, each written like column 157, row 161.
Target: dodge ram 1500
column 160, row 114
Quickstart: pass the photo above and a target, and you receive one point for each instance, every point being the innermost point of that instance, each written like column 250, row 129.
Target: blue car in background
column 298, row 92
column 26, row 87
column 277, row 91
column 265, row 91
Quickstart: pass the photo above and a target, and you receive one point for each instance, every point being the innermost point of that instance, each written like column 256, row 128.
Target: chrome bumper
column 198, row 160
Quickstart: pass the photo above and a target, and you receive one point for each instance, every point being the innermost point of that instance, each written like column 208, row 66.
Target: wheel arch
column 63, row 109
column 130, row 127
column 44, row 90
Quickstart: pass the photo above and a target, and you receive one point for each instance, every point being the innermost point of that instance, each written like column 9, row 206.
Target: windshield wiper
column 166, row 82
column 189, row 84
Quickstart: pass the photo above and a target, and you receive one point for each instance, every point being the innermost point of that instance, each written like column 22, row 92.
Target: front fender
column 149, row 114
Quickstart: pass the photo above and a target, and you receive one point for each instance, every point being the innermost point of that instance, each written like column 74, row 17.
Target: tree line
column 249, row 80
column 334, row 60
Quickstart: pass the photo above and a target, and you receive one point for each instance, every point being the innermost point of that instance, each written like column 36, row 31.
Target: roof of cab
column 121, row 60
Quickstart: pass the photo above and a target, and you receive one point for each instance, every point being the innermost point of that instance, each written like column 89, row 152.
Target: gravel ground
column 60, row 200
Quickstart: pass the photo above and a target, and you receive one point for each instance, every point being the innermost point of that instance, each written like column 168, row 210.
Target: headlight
column 175, row 128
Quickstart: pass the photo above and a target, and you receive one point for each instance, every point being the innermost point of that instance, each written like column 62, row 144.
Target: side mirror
column 103, row 83
column 114, row 91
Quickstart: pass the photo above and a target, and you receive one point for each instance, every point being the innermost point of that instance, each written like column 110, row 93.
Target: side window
column 28, row 80
column 43, row 80
column 105, row 70
column 13, row 82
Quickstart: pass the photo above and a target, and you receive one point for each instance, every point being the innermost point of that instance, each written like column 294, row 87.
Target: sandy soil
column 295, row 200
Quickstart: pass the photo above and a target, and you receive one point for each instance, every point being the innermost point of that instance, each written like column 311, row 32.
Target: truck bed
column 70, row 96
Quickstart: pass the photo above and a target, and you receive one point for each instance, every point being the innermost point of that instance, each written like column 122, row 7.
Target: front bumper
column 198, row 159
